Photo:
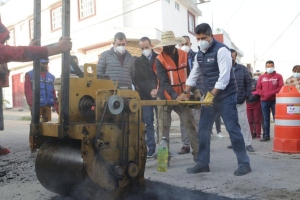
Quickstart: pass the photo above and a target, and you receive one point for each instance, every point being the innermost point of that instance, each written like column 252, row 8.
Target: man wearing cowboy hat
column 172, row 71
column 214, row 62
column 199, row 92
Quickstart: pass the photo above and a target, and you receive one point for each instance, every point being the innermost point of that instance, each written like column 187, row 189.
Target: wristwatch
column 184, row 92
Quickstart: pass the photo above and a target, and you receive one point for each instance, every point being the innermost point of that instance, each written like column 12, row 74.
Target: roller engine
column 105, row 145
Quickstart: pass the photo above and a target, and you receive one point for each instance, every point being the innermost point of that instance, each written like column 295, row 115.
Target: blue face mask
column 270, row 70
column 296, row 75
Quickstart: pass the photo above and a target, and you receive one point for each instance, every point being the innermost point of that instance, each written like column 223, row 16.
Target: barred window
column 177, row 6
column 191, row 23
column 56, row 16
column 86, row 8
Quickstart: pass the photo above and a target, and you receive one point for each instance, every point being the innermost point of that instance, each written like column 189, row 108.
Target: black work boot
column 198, row 169
column 265, row 139
column 242, row 170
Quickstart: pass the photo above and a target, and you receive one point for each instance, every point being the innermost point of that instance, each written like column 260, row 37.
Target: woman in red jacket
column 254, row 113
column 268, row 85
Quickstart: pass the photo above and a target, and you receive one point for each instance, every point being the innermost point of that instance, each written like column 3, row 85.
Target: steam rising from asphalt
column 153, row 191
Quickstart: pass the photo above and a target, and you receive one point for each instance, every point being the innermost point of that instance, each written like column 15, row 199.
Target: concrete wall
column 171, row 17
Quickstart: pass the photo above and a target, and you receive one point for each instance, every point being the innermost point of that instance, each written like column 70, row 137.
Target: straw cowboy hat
column 168, row 38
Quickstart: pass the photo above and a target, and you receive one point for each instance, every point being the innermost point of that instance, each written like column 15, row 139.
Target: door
column 17, row 91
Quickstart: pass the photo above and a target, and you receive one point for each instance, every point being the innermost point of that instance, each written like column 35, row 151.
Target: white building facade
column 93, row 26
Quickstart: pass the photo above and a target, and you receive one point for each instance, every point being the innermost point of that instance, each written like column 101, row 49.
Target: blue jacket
column 46, row 88
column 209, row 67
column 243, row 81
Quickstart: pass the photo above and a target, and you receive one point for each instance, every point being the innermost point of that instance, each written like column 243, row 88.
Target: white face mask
column 296, row 75
column 185, row 48
column 203, row 44
column 255, row 77
column 120, row 49
column 270, row 70
column 146, row 52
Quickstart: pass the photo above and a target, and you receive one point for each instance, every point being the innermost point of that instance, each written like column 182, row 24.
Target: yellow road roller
column 104, row 142
column 97, row 148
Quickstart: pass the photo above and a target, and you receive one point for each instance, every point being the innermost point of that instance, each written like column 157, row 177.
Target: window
column 22, row 26
column 31, row 29
column 56, row 16
column 167, row 1
column 177, row 6
column 11, row 41
column 191, row 23
column 86, row 8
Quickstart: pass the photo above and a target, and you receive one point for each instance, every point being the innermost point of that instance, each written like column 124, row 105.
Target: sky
column 262, row 29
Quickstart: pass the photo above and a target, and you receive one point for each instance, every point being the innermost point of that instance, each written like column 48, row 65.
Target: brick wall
column 133, row 48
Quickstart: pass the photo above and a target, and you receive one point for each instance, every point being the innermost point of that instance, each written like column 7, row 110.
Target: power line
column 280, row 35
column 234, row 13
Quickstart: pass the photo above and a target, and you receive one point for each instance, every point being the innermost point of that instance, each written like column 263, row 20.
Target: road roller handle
column 189, row 103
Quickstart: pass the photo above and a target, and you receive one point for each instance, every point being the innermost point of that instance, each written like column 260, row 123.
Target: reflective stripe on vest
column 176, row 74
column 288, row 100
column 284, row 122
column 171, row 77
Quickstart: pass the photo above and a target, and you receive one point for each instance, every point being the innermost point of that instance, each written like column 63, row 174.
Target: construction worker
column 47, row 92
column 172, row 71
column 199, row 92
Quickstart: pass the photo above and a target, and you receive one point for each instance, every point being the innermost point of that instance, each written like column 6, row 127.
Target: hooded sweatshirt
column 20, row 53
column 268, row 85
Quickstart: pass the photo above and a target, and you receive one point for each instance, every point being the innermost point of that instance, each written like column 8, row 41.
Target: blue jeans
column 227, row 109
column 265, row 107
column 148, row 119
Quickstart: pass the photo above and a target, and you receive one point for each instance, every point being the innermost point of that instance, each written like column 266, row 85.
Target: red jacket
column 20, row 53
column 268, row 85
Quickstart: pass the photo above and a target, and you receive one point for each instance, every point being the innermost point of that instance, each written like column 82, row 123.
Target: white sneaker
column 219, row 135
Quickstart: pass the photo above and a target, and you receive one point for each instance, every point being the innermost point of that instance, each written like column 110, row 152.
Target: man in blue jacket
column 214, row 63
column 243, row 81
column 47, row 92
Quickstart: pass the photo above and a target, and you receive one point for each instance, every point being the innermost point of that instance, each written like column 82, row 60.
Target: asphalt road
column 274, row 175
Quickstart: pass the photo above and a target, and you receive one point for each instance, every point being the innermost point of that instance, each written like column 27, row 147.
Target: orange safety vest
column 177, row 74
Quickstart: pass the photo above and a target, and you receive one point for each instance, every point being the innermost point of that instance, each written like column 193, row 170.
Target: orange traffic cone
column 4, row 151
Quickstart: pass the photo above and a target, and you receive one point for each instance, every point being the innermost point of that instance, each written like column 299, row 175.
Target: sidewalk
column 23, row 114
